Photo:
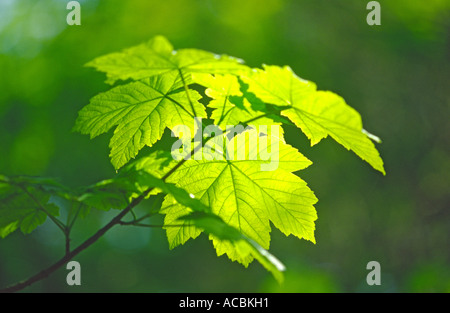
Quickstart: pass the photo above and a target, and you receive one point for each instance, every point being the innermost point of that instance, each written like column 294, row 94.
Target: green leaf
column 157, row 57
column 317, row 113
column 23, row 206
column 233, row 197
column 244, row 196
column 140, row 112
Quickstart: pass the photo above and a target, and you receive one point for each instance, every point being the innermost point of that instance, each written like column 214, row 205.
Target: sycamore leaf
column 140, row 112
column 23, row 205
column 232, row 188
column 317, row 113
column 157, row 57
column 244, row 196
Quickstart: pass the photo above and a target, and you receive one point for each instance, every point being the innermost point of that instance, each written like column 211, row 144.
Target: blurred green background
column 396, row 75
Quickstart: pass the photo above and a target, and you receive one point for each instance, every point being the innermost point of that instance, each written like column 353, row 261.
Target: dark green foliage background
column 396, row 75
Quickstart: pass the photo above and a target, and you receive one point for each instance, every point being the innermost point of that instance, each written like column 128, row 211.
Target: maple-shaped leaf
column 158, row 57
column 140, row 112
column 318, row 113
column 244, row 191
